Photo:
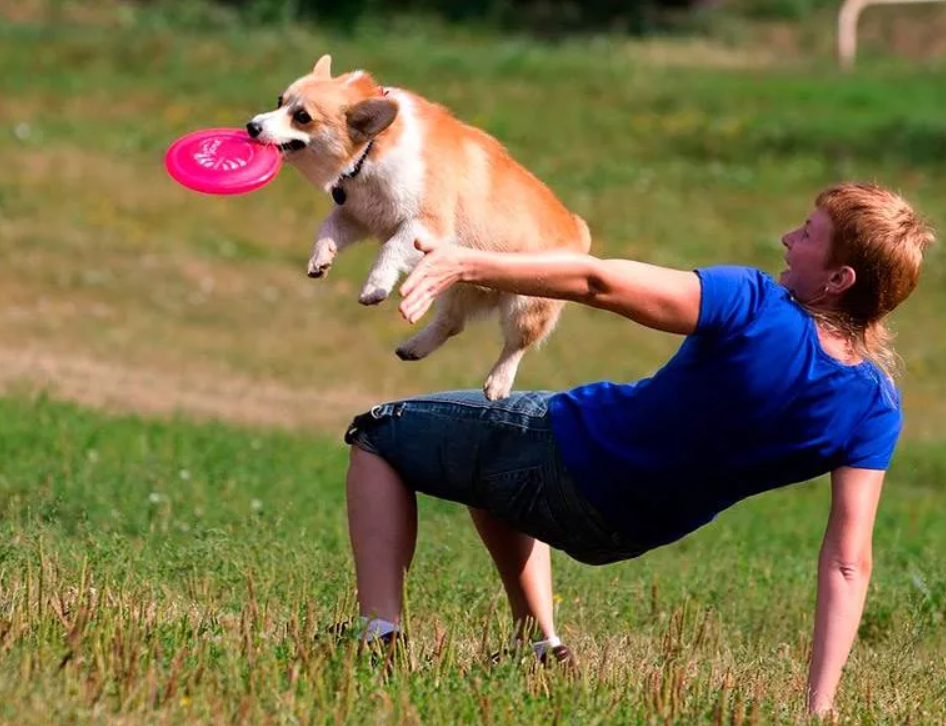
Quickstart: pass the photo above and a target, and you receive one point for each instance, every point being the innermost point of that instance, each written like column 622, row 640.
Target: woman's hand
column 441, row 266
column 824, row 710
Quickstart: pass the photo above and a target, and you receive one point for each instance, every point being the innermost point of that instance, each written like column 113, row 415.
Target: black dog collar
column 338, row 193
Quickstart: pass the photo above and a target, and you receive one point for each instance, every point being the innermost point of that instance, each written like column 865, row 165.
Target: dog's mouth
column 294, row 145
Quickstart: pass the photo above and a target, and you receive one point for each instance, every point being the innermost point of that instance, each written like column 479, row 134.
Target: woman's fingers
column 414, row 307
column 427, row 247
column 430, row 269
column 422, row 269
column 416, row 279
column 413, row 279
column 417, row 311
column 422, row 297
column 436, row 271
column 424, row 294
column 410, row 302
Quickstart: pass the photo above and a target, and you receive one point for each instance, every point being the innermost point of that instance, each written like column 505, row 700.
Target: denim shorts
column 500, row 456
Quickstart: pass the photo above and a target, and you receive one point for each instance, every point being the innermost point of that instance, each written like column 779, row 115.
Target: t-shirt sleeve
column 875, row 438
column 730, row 297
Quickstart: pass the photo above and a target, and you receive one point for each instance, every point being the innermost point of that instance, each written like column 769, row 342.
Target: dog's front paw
column 323, row 257
column 373, row 296
column 317, row 269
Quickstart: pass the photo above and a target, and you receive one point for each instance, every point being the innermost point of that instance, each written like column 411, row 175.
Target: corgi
column 401, row 168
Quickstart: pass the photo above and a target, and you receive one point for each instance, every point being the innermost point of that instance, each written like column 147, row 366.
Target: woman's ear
column 841, row 279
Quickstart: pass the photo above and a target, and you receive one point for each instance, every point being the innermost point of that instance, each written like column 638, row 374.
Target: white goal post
column 847, row 25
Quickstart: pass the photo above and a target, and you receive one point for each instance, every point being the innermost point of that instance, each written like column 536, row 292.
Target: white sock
column 372, row 628
column 541, row 647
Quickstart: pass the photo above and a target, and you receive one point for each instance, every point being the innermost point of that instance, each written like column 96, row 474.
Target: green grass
column 162, row 572
column 158, row 571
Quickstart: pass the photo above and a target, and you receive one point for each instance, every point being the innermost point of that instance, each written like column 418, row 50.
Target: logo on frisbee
column 209, row 157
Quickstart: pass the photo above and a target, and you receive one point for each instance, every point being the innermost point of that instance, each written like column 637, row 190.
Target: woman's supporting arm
column 844, row 567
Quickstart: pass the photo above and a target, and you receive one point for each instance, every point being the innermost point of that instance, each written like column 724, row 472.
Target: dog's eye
column 301, row 116
column 279, row 102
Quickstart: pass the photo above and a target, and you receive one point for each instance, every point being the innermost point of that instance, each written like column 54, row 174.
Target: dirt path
column 202, row 396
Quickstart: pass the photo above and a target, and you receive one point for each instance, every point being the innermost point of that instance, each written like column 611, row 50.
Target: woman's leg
column 382, row 525
column 525, row 566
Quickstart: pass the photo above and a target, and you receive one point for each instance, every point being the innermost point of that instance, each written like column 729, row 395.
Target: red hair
column 877, row 234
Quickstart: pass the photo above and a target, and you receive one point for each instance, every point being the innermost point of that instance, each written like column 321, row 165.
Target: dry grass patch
column 195, row 391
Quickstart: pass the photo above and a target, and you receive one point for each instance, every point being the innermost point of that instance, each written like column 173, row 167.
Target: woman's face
column 807, row 255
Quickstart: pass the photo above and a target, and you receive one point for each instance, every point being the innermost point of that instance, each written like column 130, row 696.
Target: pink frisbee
column 222, row 161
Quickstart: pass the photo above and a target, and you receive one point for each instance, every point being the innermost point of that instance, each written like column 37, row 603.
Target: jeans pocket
column 364, row 427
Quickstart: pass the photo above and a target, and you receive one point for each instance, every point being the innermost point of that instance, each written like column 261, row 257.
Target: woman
column 775, row 383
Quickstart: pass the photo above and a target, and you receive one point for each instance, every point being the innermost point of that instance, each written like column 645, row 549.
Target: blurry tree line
column 551, row 16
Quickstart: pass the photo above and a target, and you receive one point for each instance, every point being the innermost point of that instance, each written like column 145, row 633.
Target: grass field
column 160, row 570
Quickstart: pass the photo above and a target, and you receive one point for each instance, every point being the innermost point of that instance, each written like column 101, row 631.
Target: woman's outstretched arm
column 658, row 297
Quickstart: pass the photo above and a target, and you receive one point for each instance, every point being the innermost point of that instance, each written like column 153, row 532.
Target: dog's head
column 322, row 123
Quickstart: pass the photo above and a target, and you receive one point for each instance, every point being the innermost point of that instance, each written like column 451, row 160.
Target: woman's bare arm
column 658, row 297
column 844, row 567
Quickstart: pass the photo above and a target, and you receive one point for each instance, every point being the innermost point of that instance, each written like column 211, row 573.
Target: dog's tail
column 584, row 234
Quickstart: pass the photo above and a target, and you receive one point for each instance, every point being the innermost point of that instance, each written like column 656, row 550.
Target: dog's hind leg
column 453, row 308
column 526, row 321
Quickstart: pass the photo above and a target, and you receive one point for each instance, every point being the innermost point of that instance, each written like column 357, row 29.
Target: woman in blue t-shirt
column 775, row 383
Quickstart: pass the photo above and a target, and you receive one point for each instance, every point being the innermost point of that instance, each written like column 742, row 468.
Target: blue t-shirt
column 749, row 403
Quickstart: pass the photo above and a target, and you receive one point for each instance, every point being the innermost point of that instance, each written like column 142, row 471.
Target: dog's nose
column 254, row 128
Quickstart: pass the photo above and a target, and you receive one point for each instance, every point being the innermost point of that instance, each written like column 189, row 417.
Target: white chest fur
column 388, row 191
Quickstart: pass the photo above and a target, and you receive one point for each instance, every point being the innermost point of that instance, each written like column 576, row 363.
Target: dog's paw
column 318, row 269
column 496, row 388
column 408, row 352
column 423, row 344
column 322, row 258
column 373, row 296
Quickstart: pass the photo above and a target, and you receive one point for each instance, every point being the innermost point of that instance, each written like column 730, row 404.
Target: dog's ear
column 323, row 68
column 369, row 118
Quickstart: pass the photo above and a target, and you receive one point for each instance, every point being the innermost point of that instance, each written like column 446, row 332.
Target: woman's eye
column 301, row 116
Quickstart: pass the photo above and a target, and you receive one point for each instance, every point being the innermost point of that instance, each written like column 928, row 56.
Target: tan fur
column 428, row 175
